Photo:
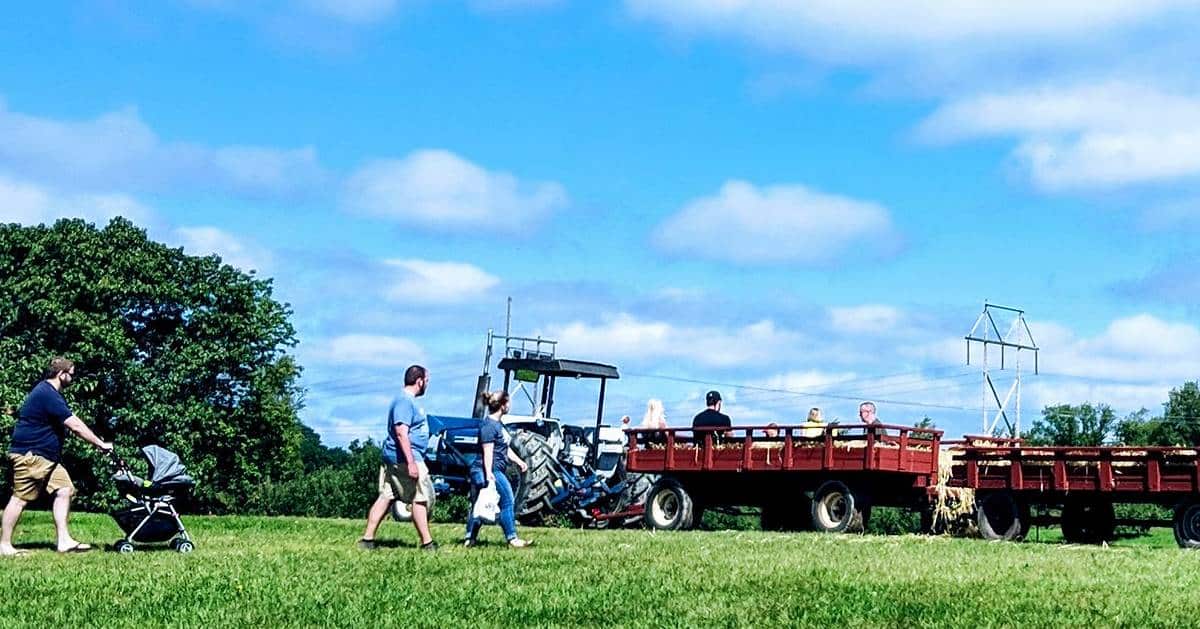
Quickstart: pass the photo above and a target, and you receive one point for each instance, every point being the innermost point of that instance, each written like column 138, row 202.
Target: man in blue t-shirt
column 403, row 475
column 36, row 456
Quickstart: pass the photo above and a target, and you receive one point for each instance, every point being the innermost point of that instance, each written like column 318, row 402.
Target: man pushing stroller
column 36, row 456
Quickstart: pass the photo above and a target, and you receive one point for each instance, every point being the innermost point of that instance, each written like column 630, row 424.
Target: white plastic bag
column 487, row 505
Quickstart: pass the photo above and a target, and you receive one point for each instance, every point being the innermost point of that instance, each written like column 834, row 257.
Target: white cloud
column 118, row 150
column 1148, row 337
column 869, row 318
column 31, row 204
column 1103, row 134
column 1131, row 351
column 1139, row 349
column 365, row 350
column 425, row 281
column 438, row 189
column 268, row 170
column 233, row 250
column 1123, row 398
column 860, row 30
column 778, row 224
column 625, row 337
column 1083, row 128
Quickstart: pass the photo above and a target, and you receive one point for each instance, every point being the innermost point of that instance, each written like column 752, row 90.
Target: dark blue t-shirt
column 40, row 429
column 493, row 432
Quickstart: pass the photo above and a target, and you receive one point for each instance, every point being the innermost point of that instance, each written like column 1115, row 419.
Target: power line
column 735, row 385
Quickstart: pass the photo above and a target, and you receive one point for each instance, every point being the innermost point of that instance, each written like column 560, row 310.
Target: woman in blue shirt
column 489, row 469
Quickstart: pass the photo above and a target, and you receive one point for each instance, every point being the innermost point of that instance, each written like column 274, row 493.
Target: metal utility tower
column 1018, row 337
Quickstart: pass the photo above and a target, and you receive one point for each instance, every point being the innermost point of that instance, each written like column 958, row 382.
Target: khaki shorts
column 396, row 484
column 33, row 474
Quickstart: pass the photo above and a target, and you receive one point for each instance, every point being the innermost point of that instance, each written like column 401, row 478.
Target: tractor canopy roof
column 560, row 367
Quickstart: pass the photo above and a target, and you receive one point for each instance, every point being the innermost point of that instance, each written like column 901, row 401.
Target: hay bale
column 953, row 508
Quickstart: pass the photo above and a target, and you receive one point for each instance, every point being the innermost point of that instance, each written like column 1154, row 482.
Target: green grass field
column 250, row 571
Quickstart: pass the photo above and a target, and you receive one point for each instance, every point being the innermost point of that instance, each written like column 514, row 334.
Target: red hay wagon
column 827, row 478
column 1009, row 478
column 802, row 477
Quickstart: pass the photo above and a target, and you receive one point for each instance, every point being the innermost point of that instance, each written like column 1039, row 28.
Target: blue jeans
column 507, row 519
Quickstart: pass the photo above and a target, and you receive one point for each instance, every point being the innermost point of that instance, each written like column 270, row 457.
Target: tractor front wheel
column 401, row 512
column 636, row 492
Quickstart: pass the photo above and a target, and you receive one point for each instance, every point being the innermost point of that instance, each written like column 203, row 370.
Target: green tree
column 1138, row 429
column 315, row 455
column 172, row 349
column 1178, row 426
column 1067, row 425
column 1181, row 416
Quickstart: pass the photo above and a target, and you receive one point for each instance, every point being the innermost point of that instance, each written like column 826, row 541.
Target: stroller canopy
column 165, row 466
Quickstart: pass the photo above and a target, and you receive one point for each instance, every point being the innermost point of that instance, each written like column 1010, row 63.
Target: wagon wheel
column 1088, row 522
column 669, row 507
column 1001, row 517
column 838, row 509
column 1187, row 524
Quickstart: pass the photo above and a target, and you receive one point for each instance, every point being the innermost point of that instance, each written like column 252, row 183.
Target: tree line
column 1097, row 424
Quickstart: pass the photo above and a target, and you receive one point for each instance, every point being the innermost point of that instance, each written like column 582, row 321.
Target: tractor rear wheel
column 1001, row 517
column 838, row 509
column 669, row 507
column 1187, row 525
column 1087, row 522
column 533, row 489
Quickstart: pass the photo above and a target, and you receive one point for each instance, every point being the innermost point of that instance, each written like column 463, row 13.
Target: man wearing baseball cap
column 712, row 417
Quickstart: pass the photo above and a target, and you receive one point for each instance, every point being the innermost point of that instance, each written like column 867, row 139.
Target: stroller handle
column 116, row 458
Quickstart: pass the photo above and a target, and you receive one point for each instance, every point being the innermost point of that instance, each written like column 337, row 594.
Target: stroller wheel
column 124, row 547
column 184, row 546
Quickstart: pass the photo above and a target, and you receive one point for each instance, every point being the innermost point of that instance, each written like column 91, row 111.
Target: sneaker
column 366, row 544
column 470, row 543
column 431, row 546
column 519, row 543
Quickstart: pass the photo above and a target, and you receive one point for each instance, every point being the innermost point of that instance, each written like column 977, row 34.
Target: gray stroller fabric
column 165, row 466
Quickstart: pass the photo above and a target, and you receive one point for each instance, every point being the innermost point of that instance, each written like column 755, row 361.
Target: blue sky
column 804, row 202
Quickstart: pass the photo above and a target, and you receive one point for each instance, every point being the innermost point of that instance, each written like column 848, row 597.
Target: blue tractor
column 574, row 470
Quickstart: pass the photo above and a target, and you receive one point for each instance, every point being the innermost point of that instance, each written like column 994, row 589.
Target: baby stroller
column 152, row 518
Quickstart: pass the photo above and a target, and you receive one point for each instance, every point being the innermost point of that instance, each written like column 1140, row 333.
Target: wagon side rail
column 1104, row 469
column 883, row 447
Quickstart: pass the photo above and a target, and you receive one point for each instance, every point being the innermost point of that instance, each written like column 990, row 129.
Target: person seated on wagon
column 814, row 426
column 654, row 419
column 711, row 417
column 866, row 413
